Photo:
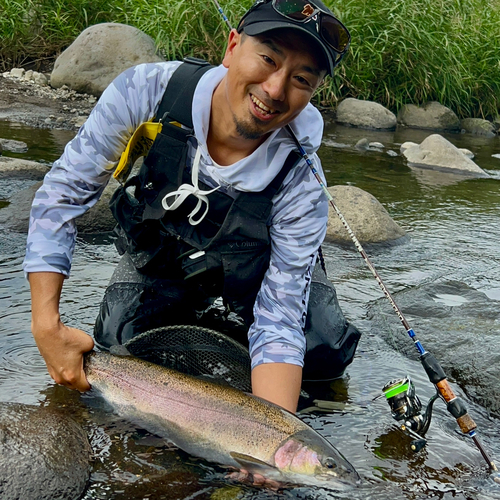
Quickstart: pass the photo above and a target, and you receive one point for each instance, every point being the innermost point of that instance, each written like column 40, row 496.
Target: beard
column 249, row 129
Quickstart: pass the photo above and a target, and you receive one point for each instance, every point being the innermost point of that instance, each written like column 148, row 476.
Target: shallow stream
column 446, row 275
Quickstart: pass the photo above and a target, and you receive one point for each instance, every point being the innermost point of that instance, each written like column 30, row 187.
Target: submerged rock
column 13, row 146
column 366, row 216
column 477, row 126
column 99, row 54
column 438, row 153
column 431, row 115
column 365, row 114
column 44, row 454
column 457, row 324
column 98, row 219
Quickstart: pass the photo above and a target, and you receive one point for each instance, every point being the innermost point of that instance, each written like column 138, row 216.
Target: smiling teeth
column 262, row 106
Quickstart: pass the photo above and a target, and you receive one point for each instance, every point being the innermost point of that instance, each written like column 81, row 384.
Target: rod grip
column 456, row 407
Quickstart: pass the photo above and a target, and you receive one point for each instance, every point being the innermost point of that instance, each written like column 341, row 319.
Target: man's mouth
column 262, row 108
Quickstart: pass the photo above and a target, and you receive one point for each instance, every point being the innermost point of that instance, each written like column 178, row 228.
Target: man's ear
column 232, row 43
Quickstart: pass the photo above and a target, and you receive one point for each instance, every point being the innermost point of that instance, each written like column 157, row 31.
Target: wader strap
column 178, row 97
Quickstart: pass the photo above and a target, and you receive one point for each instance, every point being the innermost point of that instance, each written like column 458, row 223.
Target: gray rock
column 477, row 126
column 17, row 72
column 13, row 146
column 362, row 144
column 99, row 219
column 438, row 153
column 496, row 123
column 15, row 167
column 366, row 216
column 99, row 54
column 377, row 145
column 431, row 115
column 40, row 79
column 469, row 347
column 467, row 153
column 28, row 75
column 44, row 454
column 365, row 114
column 407, row 145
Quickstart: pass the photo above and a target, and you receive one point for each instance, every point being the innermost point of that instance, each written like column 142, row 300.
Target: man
column 273, row 63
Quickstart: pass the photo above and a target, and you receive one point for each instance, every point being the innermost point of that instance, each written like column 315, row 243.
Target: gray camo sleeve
column 298, row 228
column 77, row 179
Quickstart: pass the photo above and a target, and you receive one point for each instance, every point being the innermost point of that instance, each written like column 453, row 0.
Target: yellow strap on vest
column 139, row 145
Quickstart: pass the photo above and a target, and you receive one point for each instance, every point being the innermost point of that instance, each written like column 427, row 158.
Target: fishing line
column 402, row 391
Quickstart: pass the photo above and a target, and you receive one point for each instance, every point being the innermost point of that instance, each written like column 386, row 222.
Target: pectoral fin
column 253, row 465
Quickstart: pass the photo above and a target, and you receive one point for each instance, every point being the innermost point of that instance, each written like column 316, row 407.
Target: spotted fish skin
column 218, row 423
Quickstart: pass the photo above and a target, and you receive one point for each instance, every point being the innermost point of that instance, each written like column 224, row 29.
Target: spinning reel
column 406, row 408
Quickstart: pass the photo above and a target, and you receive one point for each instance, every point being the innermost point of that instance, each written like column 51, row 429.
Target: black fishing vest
column 229, row 251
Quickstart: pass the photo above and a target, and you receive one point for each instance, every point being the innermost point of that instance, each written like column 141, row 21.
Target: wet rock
column 457, row 324
column 467, row 153
column 44, row 454
column 17, row 168
column 98, row 219
column 438, row 153
column 365, row 114
column 13, row 146
column 406, row 145
column 88, row 65
column 366, row 216
column 362, row 144
column 477, row 126
column 432, row 115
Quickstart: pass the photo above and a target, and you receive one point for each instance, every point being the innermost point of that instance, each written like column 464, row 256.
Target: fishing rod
column 400, row 394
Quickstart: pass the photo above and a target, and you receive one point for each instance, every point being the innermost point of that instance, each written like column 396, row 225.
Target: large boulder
column 99, row 54
column 366, row 216
column 438, row 153
column 478, row 126
column 431, row 115
column 15, row 216
column 18, row 168
column 365, row 114
column 44, row 454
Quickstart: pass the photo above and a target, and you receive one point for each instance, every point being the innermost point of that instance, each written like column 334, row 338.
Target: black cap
column 262, row 17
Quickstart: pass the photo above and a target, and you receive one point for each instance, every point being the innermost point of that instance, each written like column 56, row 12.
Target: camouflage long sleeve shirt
column 297, row 221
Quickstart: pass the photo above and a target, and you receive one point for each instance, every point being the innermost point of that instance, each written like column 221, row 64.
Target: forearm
column 279, row 383
column 45, row 296
column 62, row 347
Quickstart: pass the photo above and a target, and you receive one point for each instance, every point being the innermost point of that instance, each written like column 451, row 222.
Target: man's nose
column 275, row 85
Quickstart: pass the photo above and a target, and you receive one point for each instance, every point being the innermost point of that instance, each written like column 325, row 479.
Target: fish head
column 308, row 458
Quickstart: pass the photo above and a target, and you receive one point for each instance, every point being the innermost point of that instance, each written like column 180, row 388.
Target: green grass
column 406, row 51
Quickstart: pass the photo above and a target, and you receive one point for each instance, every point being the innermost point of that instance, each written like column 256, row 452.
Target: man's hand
column 62, row 347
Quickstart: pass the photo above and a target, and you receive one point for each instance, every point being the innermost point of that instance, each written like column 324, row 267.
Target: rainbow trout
column 218, row 423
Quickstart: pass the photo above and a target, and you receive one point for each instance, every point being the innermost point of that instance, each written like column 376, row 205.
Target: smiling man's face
column 270, row 80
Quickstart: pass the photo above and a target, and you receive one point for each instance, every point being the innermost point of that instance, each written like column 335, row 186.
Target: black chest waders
column 227, row 254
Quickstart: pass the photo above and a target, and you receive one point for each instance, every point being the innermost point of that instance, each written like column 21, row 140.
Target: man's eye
column 268, row 60
column 303, row 81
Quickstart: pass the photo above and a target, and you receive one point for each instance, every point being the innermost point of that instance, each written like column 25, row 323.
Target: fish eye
column 329, row 463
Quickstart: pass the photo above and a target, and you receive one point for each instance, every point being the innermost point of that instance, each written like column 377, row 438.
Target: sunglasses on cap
column 331, row 30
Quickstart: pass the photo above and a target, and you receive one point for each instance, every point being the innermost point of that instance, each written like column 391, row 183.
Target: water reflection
column 446, row 276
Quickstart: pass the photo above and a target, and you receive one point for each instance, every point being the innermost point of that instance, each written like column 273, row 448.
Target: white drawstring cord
column 187, row 189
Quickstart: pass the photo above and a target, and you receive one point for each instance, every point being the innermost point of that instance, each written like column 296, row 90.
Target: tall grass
column 402, row 51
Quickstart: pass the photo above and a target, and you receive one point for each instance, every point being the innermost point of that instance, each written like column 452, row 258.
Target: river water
column 445, row 276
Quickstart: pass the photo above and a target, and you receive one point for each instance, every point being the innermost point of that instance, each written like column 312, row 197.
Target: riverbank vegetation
column 405, row 51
